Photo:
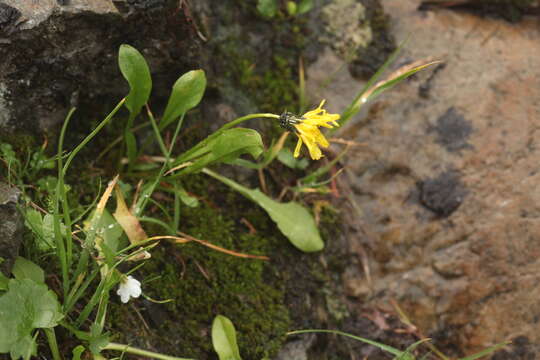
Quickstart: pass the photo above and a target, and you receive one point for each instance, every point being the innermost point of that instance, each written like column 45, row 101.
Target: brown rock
column 447, row 194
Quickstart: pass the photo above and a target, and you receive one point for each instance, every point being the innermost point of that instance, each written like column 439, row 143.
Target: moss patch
column 204, row 283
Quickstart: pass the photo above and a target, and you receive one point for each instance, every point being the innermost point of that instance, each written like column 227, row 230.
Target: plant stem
column 64, row 254
column 136, row 351
column 247, row 117
column 53, row 345
column 92, row 134
column 189, row 154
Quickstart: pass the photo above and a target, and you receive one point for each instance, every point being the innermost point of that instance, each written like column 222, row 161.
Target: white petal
column 123, row 293
column 130, row 287
column 134, row 287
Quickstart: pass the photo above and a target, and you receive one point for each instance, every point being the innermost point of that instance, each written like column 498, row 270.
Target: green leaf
column 267, row 8
column 135, row 70
column 487, row 351
column 381, row 346
column 186, row 93
column 110, row 231
column 24, row 348
column 294, row 221
column 25, row 269
column 226, row 147
column 285, row 156
column 356, row 104
column 406, row 355
column 224, row 339
column 43, row 228
column 4, row 280
column 98, row 339
column 187, row 199
column 291, row 8
column 247, row 164
column 386, row 85
column 131, row 146
column 24, row 307
column 77, row 352
column 304, row 6
column 315, row 175
column 34, row 221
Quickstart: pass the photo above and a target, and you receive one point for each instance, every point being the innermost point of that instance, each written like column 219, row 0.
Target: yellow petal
column 314, row 150
column 298, row 146
column 320, row 139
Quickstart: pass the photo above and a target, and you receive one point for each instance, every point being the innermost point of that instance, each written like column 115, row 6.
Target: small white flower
column 129, row 287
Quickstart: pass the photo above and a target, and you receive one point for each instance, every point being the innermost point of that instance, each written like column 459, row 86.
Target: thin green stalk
column 91, row 304
column 64, row 254
column 102, row 308
column 53, row 345
column 92, row 134
column 176, row 215
column 244, row 118
column 166, row 152
column 355, row 105
column 157, row 134
column 381, row 346
column 130, row 141
column 119, row 140
column 157, row 222
column 136, row 351
column 83, row 259
column 72, row 299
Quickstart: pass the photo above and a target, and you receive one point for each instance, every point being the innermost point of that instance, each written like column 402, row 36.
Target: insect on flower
column 306, row 127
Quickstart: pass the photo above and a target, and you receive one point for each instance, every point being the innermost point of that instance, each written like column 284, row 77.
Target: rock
column 59, row 54
column 10, row 227
column 346, row 27
column 447, row 193
column 297, row 349
column 511, row 10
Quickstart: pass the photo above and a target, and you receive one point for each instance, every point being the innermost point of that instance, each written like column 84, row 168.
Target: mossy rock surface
column 264, row 299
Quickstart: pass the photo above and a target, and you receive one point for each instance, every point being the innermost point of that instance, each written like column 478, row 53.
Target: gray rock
column 59, row 54
column 10, row 227
column 297, row 349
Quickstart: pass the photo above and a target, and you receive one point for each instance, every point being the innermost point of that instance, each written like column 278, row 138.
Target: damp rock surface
column 446, row 184
column 62, row 54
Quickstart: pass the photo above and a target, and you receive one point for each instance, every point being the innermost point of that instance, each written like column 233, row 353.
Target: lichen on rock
column 347, row 27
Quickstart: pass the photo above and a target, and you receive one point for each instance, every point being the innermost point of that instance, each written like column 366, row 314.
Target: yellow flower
column 306, row 128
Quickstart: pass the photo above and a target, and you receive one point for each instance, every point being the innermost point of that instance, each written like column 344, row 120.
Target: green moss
column 265, row 65
column 21, row 143
column 204, row 283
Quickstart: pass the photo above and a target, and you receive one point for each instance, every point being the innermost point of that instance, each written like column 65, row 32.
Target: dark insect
column 287, row 120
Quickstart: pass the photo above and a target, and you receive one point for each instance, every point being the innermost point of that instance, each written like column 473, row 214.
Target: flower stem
column 136, row 351
column 53, row 345
column 247, row 117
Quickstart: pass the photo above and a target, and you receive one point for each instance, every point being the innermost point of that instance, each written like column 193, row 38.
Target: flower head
column 129, row 287
column 306, row 128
